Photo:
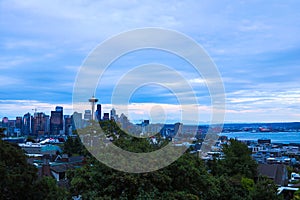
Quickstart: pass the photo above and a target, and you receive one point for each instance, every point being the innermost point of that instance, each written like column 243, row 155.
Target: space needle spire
column 93, row 100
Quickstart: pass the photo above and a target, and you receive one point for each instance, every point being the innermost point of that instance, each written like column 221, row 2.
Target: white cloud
column 13, row 108
column 156, row 112
column 245, row 39
column 260, row 106
column 8, row 62
column 24, row 44
column 9, row 81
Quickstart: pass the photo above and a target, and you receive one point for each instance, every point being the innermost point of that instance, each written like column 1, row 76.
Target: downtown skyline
column 255, row 45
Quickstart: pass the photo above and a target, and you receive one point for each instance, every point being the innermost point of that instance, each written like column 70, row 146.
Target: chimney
column 46, row 167
column 65, row 158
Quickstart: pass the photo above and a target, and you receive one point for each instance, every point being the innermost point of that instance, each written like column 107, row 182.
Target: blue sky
column 254, row 44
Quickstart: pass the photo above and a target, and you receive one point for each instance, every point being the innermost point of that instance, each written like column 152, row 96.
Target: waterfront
column 276, row 137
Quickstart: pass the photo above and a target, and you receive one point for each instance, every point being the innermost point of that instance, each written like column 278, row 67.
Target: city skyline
column 255, row 45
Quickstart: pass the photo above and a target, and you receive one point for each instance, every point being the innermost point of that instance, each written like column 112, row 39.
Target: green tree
column 2, row 132
column 17, row 177
column 248, row 184
column 237, row 160
column 297, row 195
column 186, row 178
column 236, row 174
column 47, row 189
column 265, row 189
column 73, row 145
column 68, row 146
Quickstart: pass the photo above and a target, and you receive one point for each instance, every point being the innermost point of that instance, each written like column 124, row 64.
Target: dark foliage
column 19, row 180
column 187, row 178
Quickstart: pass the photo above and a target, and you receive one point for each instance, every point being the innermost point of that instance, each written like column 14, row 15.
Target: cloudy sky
column 254, row 44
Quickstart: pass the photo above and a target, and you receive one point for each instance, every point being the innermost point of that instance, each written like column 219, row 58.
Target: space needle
column 93, row 100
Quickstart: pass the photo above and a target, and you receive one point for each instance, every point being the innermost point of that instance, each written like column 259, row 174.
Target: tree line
column 234, row 177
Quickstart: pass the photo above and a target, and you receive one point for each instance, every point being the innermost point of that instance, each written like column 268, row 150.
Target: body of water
column 276, row 137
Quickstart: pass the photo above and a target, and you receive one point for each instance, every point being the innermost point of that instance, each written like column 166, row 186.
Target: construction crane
column 35, row 110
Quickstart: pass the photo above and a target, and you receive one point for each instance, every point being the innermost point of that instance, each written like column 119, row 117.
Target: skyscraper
column 98, row 112
column 59, row 109
column 11, row 127
column 68, row 125
column 76, row 120
column 5, row 124
column 39, row 124
column 26, row 126
column 19, row 123
column 178, row 129
column 105, row 116
column 113, row 114
column 56, row 121
column 87, row 115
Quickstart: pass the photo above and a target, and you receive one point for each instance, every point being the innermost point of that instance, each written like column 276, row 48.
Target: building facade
column 56, row 121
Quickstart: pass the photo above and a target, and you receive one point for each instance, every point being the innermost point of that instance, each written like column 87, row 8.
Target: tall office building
column 105, row 116
column 98, row 112
column 68, row 125
column 76, row 121
column 124, row 122
column 11, row 127
column 47, row 124
column 26, row 124
column 178, row 129
column 32, row 123
column 56, row 121
column 87, row 115
column 113, row 115
column 18, row 126
column 39, row 124
column 5, row 122
column 59, row 109
column 19, row 123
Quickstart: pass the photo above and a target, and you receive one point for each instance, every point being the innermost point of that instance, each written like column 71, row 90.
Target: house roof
column 60, row 168
column 279, row 190
column 277, row 172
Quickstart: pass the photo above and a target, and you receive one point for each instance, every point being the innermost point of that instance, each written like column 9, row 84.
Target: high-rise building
column 59, row 108
column 105, row 116
column 76, row 120
column 113, row 114
column 5, row 124
column 11, row 127
column 124, row 122
column 87, row 115
column 56, row 121
column 19, row 123
column 178, row 129
column 26, row 124
column 18, row 126
column 68, row 125
column 98, row 112
column 47, row 124
column 39, row 124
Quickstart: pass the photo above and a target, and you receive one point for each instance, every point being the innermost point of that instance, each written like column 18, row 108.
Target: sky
column 254, row 44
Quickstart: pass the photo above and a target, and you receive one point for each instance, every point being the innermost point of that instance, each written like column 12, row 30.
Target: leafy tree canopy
column 187, row 178
column 19, row 180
